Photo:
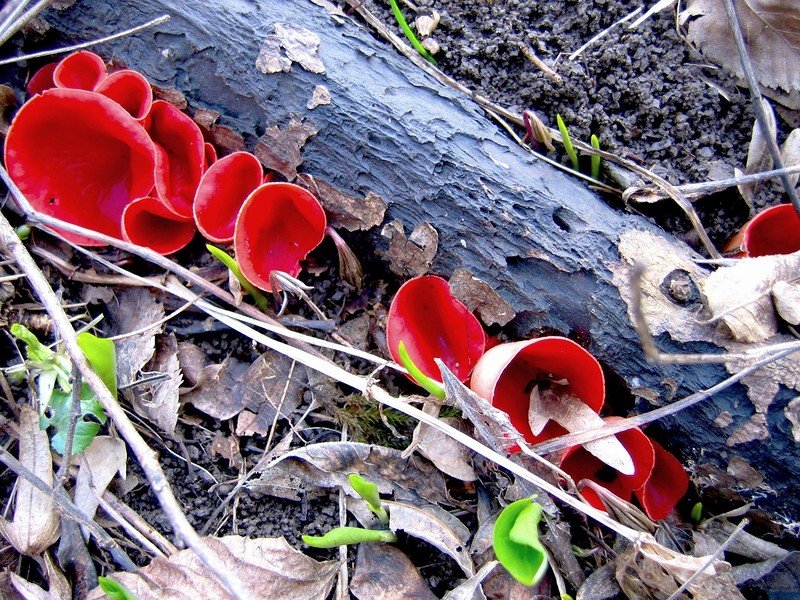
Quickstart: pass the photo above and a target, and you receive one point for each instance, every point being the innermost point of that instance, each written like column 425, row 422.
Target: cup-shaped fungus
column 130, row 90
column 179, row 156
column 150, row 223
column 277, row 226
column 42, row 80
column 223, row 189
column 431, row 323
column 775, row 230
column 80, row 71
column 666, row 485
column 80, row 157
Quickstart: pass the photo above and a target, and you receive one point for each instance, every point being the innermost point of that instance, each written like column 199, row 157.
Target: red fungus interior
column 221, row 193
column 580, row 464
column 42, row 80
column 130, row 90
column 148, row 222
column 277, row 226
column 431, row 323
column 179, row 156
column 80, row 71
column 80, row 157
column 666, row 486
column 774, row 231
column 548, row 358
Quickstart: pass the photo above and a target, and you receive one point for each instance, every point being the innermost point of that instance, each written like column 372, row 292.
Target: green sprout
column 595, row 164
column 697, row 512
column 516, row 541
column 369, row 494
column 114, row 590
column 228, row 261
column 570, row 149
column 401, row 20
column 434, row 388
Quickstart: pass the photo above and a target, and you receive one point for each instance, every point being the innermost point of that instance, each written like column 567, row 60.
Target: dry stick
column 132, row 517
column 69, row 510
column 755, row 96
column 134, row 533
column 717, row 553
column 146, row 457
column 109, row 38
column 710, row 187
column 10, row 28
column 423, row 64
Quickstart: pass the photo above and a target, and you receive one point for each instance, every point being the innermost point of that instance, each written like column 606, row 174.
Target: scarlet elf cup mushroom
column 775, row 230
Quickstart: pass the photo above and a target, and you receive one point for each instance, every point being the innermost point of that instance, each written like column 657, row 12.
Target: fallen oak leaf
column 385, row 573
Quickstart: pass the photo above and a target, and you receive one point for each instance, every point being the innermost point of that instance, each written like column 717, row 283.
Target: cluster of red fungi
column 95, row 149
column 431, row 323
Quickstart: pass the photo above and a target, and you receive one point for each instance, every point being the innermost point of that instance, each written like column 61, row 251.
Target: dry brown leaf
column 384, row 573
column 328, row 465
column 171, row 95
column 781, row 576
column 345, row 212
column 160, row 403
column 192, row 361
column 479, row 297
column 786, row 299
column 321, row 95
column 758, row 158
column 790, row 154
column 218, row 392
column 449, row 456
column 227, row 446
column 279, row 149
column 267, row 567
column 273, row 384
column 436, row 526
column 471, row 589
column 684, row 323
column 771, row 29
column 134, row 309
column 411, row 256
column 652, row 571
column 8, row 101
column 35, row 525
column 601, row 584
column 99, row 463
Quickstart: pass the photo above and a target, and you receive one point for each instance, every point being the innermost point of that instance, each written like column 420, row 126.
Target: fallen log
column 549, row 246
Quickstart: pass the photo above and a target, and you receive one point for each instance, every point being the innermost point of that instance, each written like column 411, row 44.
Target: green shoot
column 23, row 232
column 222, row 256
column 516, row 541
column 434, row 388
column 341, row 536
column 697, row 512
column 114, row 590
column 369, row 494
column 570, row 149
column 595, row 164
column 401, row 20
column 49, row 368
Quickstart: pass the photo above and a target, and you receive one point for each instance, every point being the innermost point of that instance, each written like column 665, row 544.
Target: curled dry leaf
column 436, row 526
column 99, row 463
column 448, row 455
column 384, row 573
column 134, row 309
column 601, row 584
column 328, row 465
column 35, row 525
column 273, row 384
column 267, row 567
column 771, row 29
column 758, row 158
column 160, row 402
column 479, row 297
column 471, row 589
column 410, row 256
column 781, row 576
column 345, row 212
column 790, row 154
column 218, row 389
column 786, row 299
column 279, row 149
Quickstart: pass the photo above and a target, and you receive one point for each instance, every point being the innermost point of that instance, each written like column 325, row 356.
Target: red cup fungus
column 42, row 80
column 209, row 155
column 432, row 324
column 180, row 152
column 130, row 90
column 80, row 71
column 150, row 223
column 507, row 374
column 775, row 230
column 277, row 226
column 80, row 157
column 221, row 193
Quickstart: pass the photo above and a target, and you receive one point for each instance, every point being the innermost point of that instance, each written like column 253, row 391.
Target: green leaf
column 434, row 388
column 595, row 164
column 516, row 541
column 48, row 367
column 114, row 590
column 570, row 149
column 102, row 355
column 369, row 494
column 697, row 512
column 341, row 536
column 225, row 259
column 34, row 349
column 401, row 20
column 58, row 419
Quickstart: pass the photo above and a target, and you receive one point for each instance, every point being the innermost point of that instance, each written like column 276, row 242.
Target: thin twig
column 710, row 187
column 717, row 553
column 9, row 29
column 68, row 509
column 755, row 96
column 102, row 40
column 134, row 533
column 132, row 517
column 146, row 457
